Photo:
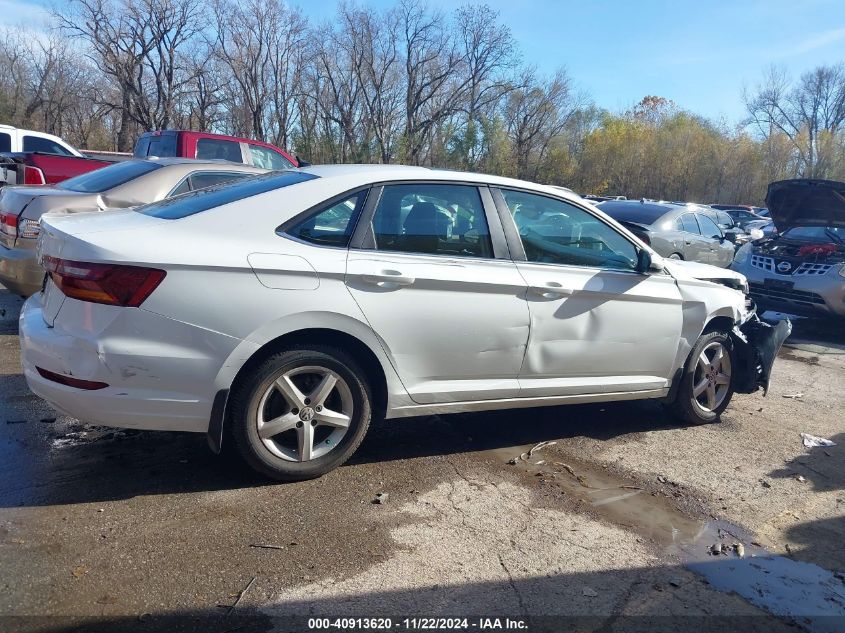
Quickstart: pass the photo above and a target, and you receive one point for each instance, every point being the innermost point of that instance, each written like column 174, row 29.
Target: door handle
column 550, row 291
column 388, row 277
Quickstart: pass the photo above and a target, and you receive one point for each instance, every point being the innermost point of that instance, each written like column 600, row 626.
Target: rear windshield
column 633, row 212
column 106, row 178
column 211, row 197
column 162, row 145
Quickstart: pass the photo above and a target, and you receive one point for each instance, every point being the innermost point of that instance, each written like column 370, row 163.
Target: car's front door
column 449, row 308
column 597, row 325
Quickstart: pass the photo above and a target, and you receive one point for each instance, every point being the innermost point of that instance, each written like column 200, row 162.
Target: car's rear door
column 696, row 248
column 597, row 325
column 430, row 270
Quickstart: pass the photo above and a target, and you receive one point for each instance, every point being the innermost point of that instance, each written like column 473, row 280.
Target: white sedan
column 286, row 311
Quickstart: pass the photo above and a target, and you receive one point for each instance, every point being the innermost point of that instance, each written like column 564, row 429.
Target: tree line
column 407, row 84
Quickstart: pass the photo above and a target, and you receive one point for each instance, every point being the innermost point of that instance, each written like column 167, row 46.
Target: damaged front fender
column 756, row 344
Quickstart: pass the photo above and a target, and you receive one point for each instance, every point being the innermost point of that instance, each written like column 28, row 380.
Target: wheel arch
column 357, row 339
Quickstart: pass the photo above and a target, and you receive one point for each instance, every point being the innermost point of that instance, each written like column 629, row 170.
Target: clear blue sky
column 697, row 53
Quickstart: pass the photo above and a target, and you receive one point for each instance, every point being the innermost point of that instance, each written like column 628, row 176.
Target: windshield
column 232, row 191
column 816, row 234
column 106, row 178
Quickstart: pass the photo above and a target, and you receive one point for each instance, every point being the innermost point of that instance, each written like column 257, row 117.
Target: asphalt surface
column 611, row 526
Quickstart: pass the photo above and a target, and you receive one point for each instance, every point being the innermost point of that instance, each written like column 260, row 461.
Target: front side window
column 217, row 149
column 266, row 158
column 332, row 225
column 556, row 232
column 433, row 219
column 44, row 145
column 689, row 224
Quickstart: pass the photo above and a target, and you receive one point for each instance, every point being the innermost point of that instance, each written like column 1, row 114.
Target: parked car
column 801, row 268
column 742, row 214
column 28, row 157
column 120, row 185
column 14, row 139
column 532, row 298
column 203, row 145
column 724, row 221
column 673, row 230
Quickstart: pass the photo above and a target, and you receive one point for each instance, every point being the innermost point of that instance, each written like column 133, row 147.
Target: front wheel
column 707, row 381
column 301, row 413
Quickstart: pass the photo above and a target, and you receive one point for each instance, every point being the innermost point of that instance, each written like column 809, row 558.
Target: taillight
column 9, row 224
column 33, row 176
column 111, row 284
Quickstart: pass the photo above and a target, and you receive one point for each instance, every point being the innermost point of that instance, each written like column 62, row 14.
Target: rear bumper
column 19, row 270
column 160, row 373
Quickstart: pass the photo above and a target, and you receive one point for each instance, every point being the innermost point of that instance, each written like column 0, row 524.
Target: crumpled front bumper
column 756, row 345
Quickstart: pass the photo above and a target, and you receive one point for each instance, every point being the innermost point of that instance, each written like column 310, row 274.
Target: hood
column 806, row 202
column 681, row 269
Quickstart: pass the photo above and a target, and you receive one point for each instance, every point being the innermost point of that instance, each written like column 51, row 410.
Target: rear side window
column 331, row 225
column 203, row 179
column 5, row 142
column 432, row 219
column 162, row 146
column 689, row 224
column 45, row 145
column 205, row 199
column 106, row 178
column 268, row 159
column 216, row 149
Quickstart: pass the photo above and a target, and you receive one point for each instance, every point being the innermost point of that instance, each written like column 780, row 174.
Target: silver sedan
column 674, row 230
column 125, row 184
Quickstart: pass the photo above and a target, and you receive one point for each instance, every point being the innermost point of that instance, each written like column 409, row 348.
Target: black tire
column 685, row 405
column 247, row 397
column 676, row 256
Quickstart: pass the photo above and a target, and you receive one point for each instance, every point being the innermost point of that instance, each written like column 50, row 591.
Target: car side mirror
column 646, row 263
column 301, row 162
column 731, row 237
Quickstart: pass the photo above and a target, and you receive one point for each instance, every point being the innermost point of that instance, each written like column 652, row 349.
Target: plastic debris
column 793, row 396
column 739, row 548
column 812, row 441
column 716, row 549
column 381, row 498
column 800, row 478
column 589, row 592
column 539, row 446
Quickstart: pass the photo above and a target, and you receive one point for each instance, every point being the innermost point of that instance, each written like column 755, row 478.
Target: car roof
column 377, row 173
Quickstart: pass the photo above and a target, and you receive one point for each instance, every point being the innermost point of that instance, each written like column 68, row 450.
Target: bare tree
column 811, row 113
column 535, row 113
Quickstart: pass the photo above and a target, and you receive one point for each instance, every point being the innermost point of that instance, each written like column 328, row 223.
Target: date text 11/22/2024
column 418, row 623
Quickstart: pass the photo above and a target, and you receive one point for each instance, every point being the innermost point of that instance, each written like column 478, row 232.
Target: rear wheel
column 302, row 413
column 707, row 382
column 675, row 256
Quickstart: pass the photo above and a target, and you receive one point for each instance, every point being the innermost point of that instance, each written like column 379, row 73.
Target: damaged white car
column 286, row 311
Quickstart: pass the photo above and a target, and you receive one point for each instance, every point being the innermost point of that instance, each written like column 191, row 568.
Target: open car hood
column 806, row 202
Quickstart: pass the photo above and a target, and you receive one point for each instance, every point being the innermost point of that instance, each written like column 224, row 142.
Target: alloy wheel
column 304, row 413
column 712, row 378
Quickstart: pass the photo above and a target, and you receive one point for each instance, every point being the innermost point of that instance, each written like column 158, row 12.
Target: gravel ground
column 104, row 529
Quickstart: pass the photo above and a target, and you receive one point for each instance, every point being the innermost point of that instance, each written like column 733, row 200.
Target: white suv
column 286, row 311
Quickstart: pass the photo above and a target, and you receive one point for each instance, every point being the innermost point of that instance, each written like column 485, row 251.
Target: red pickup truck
column 188, row 144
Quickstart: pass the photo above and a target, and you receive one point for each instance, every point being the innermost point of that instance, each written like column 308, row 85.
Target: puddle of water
column 803, row 592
